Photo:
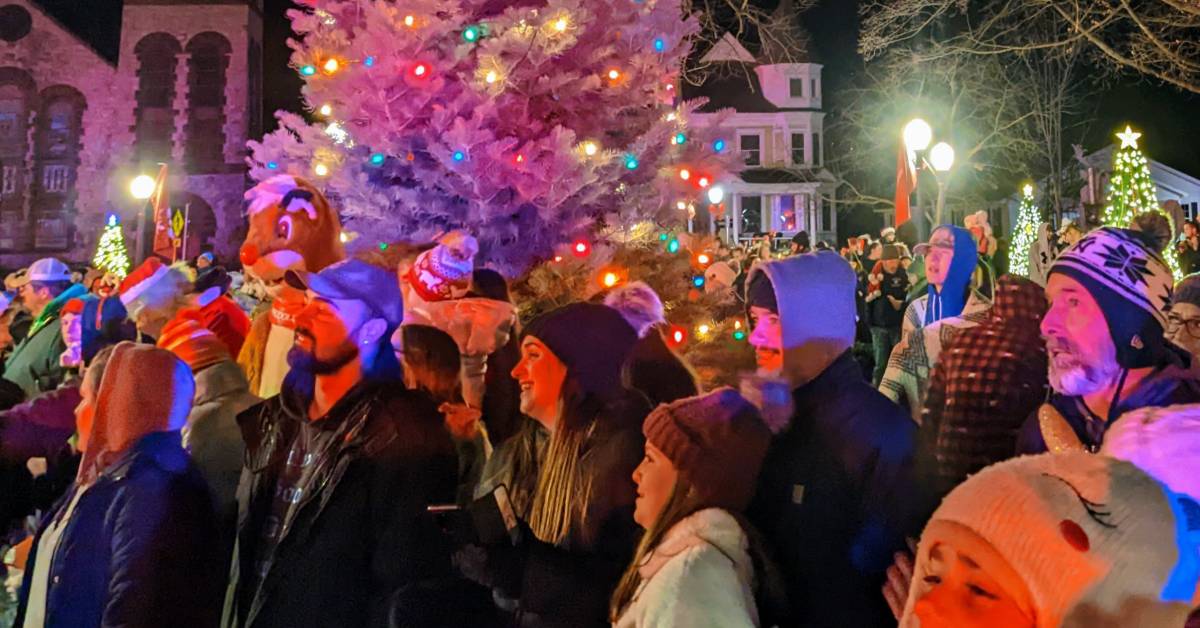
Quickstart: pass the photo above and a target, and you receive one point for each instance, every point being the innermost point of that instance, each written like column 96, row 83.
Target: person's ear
column 372, row 331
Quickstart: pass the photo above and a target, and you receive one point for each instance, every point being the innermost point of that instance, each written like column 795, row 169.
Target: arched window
column 17, row 97
column 156, row 55
column 208, row 58
column 56, row 161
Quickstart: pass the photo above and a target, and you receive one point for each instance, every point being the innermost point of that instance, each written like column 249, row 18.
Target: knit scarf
column 950, row 300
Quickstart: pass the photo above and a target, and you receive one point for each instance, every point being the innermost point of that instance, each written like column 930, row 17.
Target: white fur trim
column 135, row 291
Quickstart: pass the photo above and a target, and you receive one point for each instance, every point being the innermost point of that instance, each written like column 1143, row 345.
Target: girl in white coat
column 695, row 566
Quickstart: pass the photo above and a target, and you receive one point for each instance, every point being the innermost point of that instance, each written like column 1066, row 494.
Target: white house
column 778, row 126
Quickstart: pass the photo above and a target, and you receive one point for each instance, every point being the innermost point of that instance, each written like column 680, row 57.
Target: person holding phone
column 698, row 562
column 568, row 475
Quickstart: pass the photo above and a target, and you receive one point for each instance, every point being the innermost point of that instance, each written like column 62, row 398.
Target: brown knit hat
column 717, row 442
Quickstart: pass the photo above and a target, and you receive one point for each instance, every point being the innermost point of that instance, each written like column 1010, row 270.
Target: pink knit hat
column 716, row 441
column 1094, row 540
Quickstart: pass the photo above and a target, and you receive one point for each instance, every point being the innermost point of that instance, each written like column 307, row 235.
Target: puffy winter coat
column 700, row 574
column 140, row 549
column 836, row 498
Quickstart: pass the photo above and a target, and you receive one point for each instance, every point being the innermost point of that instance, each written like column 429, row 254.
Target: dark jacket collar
column 843, row 369
column 295, row 403
column 163, row 449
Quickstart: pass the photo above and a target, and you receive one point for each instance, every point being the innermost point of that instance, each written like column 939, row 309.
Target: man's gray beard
column 1083, row 379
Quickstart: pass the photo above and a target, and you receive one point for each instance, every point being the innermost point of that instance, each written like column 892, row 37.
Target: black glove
column 500, row 567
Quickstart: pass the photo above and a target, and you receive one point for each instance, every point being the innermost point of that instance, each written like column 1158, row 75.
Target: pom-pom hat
column 716, row 441
column 444, row 272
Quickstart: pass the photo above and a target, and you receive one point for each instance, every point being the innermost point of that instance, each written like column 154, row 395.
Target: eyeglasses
column 1191, row 325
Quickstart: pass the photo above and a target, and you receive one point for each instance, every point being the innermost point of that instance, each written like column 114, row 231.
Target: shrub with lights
column 531, row 125
column 707, row 328
column 1131, row 191
column 1024, row 233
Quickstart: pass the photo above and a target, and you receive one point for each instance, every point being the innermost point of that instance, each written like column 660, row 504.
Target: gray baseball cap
column 355, row 280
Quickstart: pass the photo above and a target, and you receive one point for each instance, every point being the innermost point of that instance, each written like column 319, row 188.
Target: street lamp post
column 941, row 157
column 141, row 189
column 917, row 136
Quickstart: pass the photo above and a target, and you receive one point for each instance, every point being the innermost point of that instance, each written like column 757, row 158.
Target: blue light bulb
column 659, row 44
column 272, row 165
column 680, row 138
column 369, row 61
column 308, row 70
column 719, row 145
column 698, row 281
column 459, row 155
column 673, row 246
column 377, row 159
column 631, row 162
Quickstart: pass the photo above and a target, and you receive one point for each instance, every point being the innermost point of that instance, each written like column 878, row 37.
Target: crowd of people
column 1011, row 452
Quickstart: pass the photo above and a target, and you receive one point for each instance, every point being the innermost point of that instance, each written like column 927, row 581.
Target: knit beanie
column 1188, row 290
column 1132, row 286
column 639, row 304
column 592, row 340
column 719, row 277
column 190, row 341
column 1163, row 442
column 717, row 442
column 104, row 323
column 444, row 272
column 760, row 292
column 1094, row 540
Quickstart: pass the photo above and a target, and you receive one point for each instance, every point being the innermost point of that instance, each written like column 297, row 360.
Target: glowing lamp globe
column 142, row 187
column 941, row 157
column 716, row 194
column 917, row 134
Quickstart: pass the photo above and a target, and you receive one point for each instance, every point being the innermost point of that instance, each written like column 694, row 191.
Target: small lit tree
column 1024, row 233
column 1131, row 191
column 111, row 254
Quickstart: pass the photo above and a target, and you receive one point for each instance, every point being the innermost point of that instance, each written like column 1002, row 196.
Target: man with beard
column 340, row 467
column 1104, row 334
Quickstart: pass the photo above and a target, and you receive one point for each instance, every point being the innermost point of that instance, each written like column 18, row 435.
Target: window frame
column 758, row 161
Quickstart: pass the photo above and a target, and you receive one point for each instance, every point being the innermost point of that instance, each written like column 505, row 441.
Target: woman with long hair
column 569, row 473
column 699, row 563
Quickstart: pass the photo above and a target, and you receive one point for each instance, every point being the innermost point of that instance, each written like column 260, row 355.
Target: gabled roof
column 728, row 48
column 96, row 23
column 730, row 84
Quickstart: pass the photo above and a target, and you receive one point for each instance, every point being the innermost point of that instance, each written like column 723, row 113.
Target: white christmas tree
column 111, row 254
column 1023, row 234
column 1131, row 191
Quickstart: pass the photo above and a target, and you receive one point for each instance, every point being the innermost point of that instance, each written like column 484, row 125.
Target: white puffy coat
column 701, row 574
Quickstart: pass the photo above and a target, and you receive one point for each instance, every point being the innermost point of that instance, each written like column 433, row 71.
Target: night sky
column 1167, row 116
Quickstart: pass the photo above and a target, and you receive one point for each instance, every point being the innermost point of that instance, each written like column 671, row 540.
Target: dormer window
column 796, row 88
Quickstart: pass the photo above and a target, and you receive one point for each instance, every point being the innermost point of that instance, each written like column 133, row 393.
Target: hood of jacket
column 1018, row 300
column 711, row 526
column 221, row 380
column 805, row 284
column 144, row 390
column 950, row 300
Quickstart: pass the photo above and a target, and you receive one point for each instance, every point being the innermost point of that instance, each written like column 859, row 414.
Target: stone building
column 778, row 126
column 78, row 121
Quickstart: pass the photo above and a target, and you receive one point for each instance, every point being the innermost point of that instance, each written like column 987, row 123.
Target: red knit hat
column 716, row 441
column 444, row 272
column 141, row 279
column 190, row 341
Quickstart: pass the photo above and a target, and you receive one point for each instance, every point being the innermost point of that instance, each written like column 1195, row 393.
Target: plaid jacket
column 988, row 380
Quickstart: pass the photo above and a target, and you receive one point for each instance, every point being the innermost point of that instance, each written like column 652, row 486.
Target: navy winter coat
column 836, row 498
column 140, row 549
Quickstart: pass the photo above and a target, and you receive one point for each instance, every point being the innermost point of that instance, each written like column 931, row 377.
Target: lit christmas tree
column 1131, row 191
column 111, row 254
column 1024, row 233
column 530, row 126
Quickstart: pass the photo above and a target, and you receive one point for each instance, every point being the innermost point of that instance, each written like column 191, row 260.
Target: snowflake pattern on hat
column 1119, row 260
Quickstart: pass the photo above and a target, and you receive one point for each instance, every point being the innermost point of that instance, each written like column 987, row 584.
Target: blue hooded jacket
column 955, row 290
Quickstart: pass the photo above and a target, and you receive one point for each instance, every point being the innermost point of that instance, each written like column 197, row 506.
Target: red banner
column 906, row 182
column 164, row 243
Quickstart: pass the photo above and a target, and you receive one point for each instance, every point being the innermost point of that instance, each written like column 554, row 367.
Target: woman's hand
column 462, row 420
